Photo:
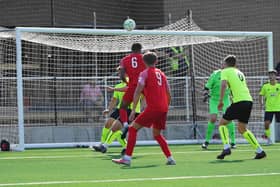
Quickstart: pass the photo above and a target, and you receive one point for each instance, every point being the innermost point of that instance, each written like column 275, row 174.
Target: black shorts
column 240, row 111
column 116, row 114
column 268, row 116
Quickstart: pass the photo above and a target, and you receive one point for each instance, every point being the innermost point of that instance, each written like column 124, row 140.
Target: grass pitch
column 195, row 167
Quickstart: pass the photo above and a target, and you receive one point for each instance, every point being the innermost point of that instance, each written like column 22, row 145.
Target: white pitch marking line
column 102, row 155
column 136, row 179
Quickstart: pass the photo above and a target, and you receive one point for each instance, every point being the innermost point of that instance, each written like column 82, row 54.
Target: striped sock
column 249, row 136
column 119, row 138
column 110, row 138
column 224, row 136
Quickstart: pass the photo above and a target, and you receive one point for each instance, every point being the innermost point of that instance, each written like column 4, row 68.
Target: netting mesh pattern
column 56, row 68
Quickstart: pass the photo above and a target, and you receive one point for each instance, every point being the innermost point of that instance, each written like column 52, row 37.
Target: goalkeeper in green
column 212, row 90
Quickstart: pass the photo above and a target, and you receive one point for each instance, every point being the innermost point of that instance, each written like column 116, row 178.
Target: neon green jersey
column 214, row 86
column 119, row 95
column 271, row 94
column 237, row 84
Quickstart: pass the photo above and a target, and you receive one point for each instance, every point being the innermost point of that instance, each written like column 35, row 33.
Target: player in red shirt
column 131, row 65
column 153, row 83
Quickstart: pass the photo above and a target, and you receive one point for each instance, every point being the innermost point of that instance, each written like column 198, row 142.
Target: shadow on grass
column 139, row 167
column 212, row 149
column 225, row 161
column 115, row 156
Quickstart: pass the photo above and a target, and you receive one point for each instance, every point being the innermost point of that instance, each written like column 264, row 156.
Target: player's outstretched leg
column 132, row 136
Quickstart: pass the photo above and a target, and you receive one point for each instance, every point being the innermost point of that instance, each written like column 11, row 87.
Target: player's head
column 230, row 61
column 150, row 58
column 272, row 75
column 136, row 48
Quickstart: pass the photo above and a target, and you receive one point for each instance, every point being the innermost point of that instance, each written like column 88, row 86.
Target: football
column 129, row 24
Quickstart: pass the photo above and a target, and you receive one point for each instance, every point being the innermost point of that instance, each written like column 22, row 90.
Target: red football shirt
column 155, row 89
column 133, row 65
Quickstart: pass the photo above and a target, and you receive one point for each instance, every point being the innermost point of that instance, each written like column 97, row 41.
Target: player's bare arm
column 261, row 101
column 136, row 97
column 112, row 89
column 168, row 93
column 112, row 105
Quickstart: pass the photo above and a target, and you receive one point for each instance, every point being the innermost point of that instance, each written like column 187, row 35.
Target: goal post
column 19, row 90
column 108, row 47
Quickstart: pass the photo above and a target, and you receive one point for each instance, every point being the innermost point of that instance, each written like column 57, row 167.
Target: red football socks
column 163, row 144
column 132, row 136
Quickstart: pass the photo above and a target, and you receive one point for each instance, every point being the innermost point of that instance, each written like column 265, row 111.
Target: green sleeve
column 210, row 81
column 262, row 92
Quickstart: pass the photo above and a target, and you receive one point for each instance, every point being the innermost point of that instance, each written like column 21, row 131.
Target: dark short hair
column 230, row 60
column 136, row 47
column 150, row 58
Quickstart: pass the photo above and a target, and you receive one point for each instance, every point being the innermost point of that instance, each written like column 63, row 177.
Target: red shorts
column 129, row 93
column 155, row 119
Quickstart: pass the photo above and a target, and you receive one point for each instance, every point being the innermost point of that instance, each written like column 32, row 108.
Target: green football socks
column 104, row 134
column 249, row 136
column 115, row 135
column 267, row 133
column 209, row 132
column 224, row 136
column 231, row 130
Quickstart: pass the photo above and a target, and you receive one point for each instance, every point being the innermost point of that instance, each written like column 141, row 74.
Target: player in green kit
column 112, row 127
column 240, row 108
column 271, row 93
column 212, row 89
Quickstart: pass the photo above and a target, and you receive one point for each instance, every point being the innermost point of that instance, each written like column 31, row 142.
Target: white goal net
column 58, row 65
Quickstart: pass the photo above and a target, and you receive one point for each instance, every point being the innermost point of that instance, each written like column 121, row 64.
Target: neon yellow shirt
column 271, row 94
column 237, row 84
column 119, row 95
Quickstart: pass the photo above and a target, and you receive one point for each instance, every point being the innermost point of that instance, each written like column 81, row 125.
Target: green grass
column 89, row 168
